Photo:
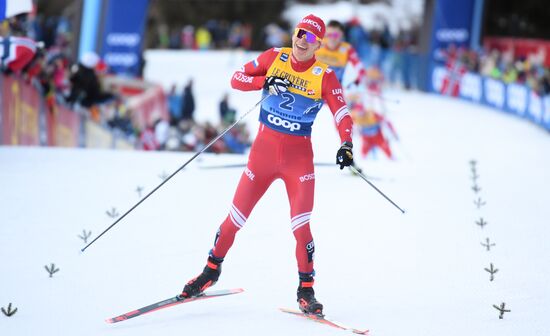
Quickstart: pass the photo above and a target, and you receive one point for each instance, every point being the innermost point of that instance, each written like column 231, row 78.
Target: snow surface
column 421, row 273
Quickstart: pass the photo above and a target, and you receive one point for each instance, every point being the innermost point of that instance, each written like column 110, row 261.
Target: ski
column 324, row 320
column 176, row 300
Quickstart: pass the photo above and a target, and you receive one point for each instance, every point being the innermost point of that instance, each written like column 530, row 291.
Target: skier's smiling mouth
column 300, row 46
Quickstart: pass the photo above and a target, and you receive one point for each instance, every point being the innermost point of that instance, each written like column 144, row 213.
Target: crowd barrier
column 516, row 99
column 21, row 111
column 26, row 118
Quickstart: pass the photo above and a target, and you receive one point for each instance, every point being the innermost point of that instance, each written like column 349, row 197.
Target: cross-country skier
column 337, row 53
column 297, row 84
column 371, row 125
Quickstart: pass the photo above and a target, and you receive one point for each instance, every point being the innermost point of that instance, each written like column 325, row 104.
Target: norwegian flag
column 16, row 52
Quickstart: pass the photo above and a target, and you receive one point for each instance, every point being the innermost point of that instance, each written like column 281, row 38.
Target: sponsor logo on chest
column 317, row 70
column 295, row 81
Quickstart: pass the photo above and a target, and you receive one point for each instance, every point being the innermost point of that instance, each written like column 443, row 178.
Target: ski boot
column 207, row 278
column 306, row 297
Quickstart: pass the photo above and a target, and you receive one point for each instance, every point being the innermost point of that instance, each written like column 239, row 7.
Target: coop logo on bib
column 277, row 121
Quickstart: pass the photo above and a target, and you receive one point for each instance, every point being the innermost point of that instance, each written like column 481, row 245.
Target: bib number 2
column 287, row 102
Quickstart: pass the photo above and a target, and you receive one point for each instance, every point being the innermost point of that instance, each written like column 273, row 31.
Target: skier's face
column 333, row 37
column 304, row 45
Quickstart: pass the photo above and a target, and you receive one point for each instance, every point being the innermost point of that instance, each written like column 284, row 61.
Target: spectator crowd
column 49, row 67
column 214, row 34
column 182, row 132
column 504, row 65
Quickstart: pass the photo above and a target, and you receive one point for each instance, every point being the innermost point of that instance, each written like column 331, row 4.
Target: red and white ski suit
column 282, row 148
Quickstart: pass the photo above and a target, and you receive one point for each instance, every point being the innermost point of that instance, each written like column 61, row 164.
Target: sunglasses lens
column 310, row 38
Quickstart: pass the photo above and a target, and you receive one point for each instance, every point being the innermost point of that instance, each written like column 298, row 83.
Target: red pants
column 377, row 140
column 275, row 155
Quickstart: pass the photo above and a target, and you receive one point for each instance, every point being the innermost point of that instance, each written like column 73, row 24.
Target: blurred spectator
column 237, row 140
column 239, row 36
column 208, row 134
column 120, row 119
column 173, row 142
column 174, row 105
column 188, row 37
column 545, row 83
column 188, row 106
column 85, row 86
column 275, row 36
column 203, row 38
column 147, row 139
column 163, row 36
column 227, row 114
column 359, row 39
column 175, row 40
column 161, row 128
column 246, row 36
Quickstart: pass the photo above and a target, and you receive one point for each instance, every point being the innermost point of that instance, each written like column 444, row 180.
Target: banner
column 513, row 98
column 452, row 26
column 20, row 111
column 123, row 30
column 65, row 127
column 520, row 47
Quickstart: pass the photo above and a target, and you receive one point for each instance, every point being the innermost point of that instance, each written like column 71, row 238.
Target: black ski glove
column 344, row 156
column 276, row 85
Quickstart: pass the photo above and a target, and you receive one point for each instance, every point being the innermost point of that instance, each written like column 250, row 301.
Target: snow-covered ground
column 421, row 273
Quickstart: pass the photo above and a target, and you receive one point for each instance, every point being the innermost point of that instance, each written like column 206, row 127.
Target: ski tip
column 221, row 292
column 359, row 332
column 116, row 319
column 287, row 310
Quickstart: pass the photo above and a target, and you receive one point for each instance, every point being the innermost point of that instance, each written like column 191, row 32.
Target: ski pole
column 353, row 169
column 180, row 168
